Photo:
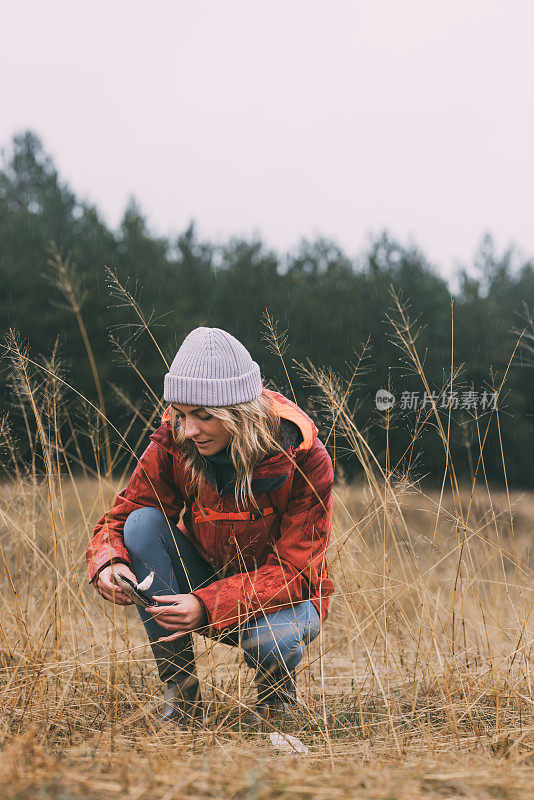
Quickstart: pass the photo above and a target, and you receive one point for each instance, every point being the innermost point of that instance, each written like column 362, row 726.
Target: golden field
column 420, row 684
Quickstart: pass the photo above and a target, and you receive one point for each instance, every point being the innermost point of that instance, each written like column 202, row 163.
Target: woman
column 246, row 561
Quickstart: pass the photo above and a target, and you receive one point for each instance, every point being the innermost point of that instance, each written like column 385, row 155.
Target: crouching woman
column 245, row 562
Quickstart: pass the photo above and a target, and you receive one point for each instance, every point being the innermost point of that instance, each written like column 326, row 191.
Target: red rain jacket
column 273, row 561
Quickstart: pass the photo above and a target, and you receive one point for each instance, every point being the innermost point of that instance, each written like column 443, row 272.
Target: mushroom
column 137, row 591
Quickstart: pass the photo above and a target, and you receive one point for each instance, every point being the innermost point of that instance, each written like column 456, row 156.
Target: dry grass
column 408, row 711
column 419, row 685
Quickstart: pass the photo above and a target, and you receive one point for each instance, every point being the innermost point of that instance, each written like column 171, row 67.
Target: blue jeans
column 275, row 641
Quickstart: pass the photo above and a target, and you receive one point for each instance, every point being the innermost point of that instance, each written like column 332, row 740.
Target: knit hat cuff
column 213, row 391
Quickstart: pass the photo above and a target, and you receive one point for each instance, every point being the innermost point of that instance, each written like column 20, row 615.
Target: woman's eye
column 181, row 417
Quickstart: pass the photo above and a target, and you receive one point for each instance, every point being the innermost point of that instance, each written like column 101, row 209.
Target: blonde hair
column 255, row 433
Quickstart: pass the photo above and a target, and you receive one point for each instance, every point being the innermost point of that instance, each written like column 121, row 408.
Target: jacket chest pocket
column 238, row 540
column 249, row 543
column 210, row 534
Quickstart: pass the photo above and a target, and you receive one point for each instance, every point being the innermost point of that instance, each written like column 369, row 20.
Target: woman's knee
column 273, row 647
column 140, row 527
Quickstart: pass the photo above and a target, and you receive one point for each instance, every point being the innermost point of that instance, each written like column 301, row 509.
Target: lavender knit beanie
column 212, row 368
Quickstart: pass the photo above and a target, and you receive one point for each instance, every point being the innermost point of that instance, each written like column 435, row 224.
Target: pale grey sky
column 289, row 118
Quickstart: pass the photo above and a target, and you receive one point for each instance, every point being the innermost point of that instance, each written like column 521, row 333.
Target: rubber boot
column 182, row 701
column 277, row 695
column 182, row 704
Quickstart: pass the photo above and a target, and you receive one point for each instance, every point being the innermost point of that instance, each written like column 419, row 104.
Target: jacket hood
column 286, row 410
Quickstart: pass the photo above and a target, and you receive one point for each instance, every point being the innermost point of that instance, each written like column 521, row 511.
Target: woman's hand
column 107, row 586
column 185, row 614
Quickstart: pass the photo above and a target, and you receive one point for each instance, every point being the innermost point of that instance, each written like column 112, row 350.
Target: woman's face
column 206, row 431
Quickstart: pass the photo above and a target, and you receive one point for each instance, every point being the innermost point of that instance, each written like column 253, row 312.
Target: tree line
column 345, row 316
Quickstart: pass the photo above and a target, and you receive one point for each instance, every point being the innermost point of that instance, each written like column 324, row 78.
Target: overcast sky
column 287, row 119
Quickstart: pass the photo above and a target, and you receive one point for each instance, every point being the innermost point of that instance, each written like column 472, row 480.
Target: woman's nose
column 190, row 429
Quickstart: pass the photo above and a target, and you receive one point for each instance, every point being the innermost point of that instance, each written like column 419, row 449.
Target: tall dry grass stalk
column 427, row 651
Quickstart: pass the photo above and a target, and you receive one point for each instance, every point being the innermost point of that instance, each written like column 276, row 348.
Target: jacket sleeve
column 297, row 562
column 151, row 484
